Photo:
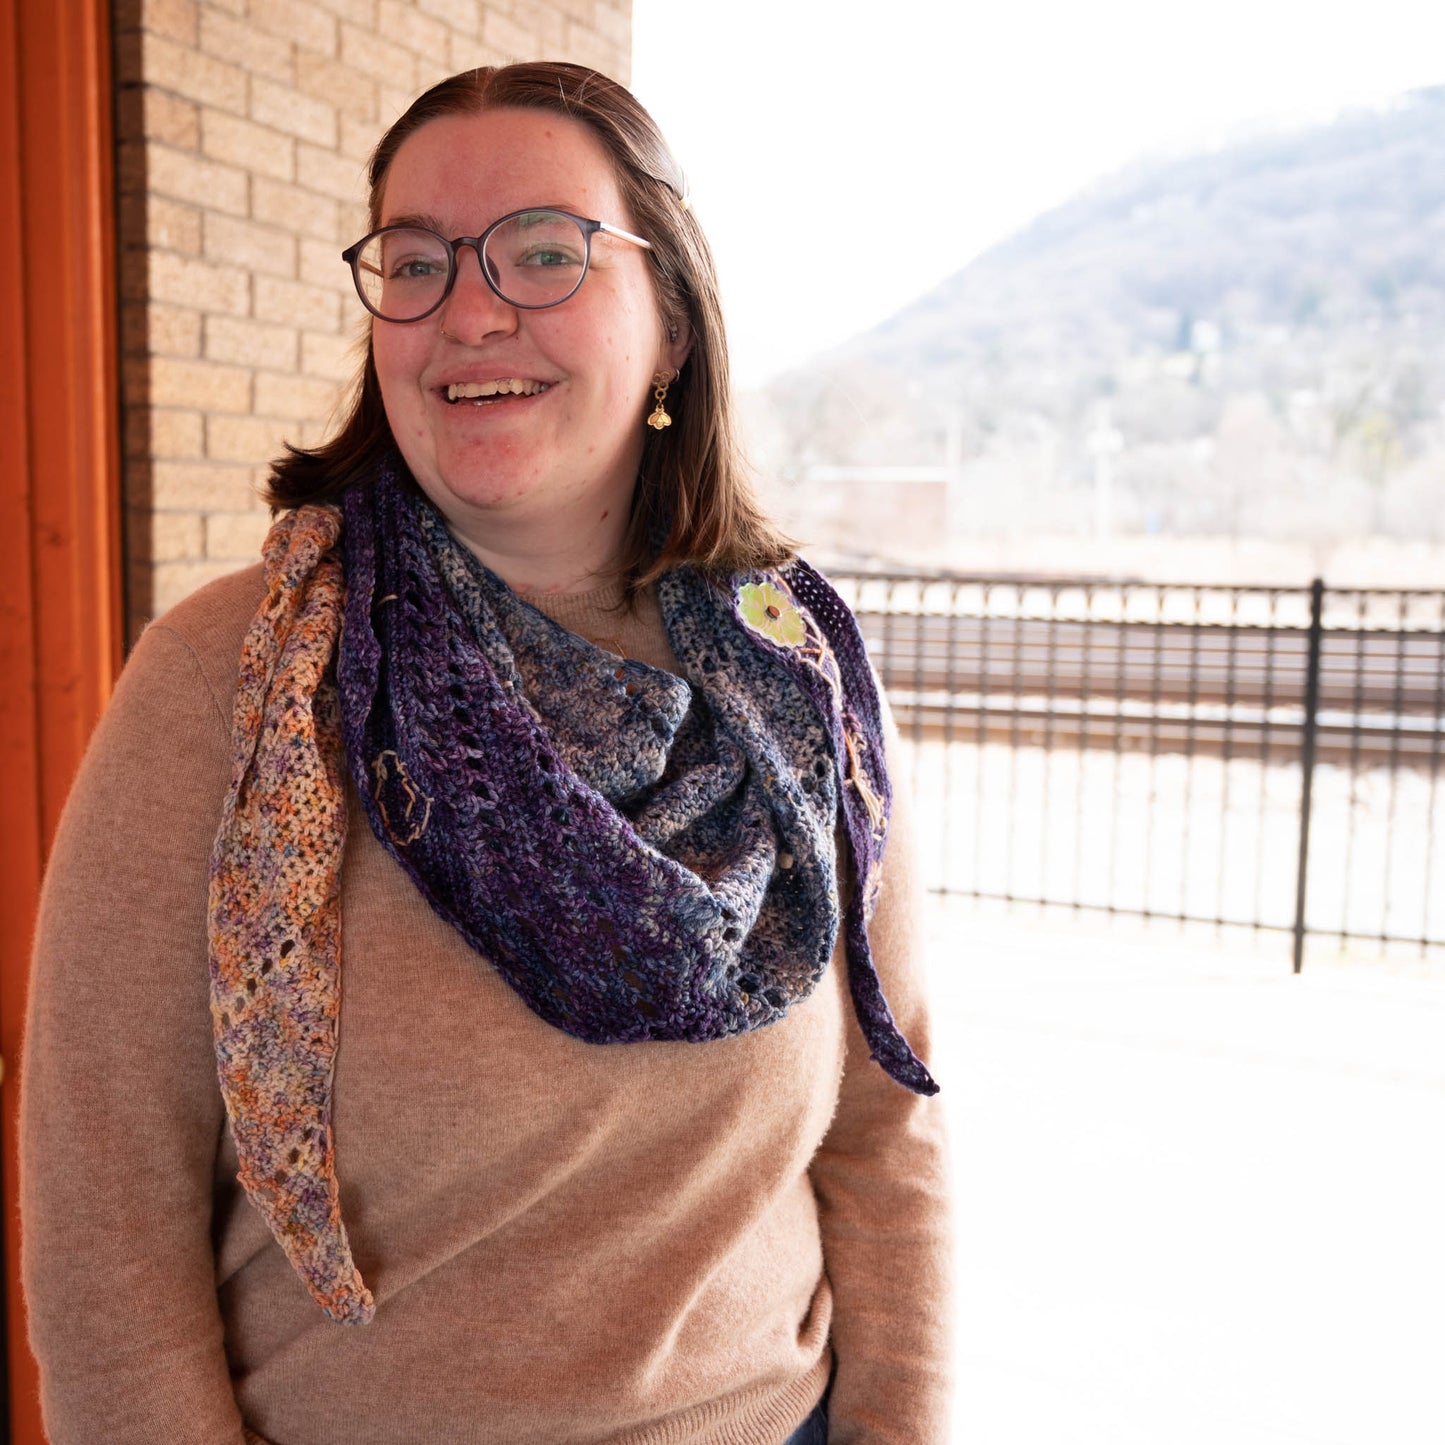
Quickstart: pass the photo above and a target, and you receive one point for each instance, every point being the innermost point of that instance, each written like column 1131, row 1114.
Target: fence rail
column 1269, row 757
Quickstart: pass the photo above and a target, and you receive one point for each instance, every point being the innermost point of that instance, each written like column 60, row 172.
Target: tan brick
column 315, row 433
column 420, row 34
column 467, row 53
column 274, row 203
column 175, row 536
column 173, row 226
column 250, row 439
column 199, row 384
column 133, row 333
column 236, row 535
column 187, row 177
column 127, row 59
column 302, row 397
column 231, row 7
column 383, row 60
column 250, row 343
column 135, row 431
column 133, row 337
column 505, row 35
column 578, row 10
column 144, row 111
column 613, row 23
column 322, row 266
column 135, row 380
column 155, row 221
column 313, row 30
column 330, row 174
column 187, row 72
column 585, row 47
column 175, row 19
column 549, row 27
column 138, row 548
column 170, row 330
column 392, row 100
column 176, row 432
column 173, row 582
column 185, row 281
column 355, row 222
column 249, row 246
column 287, row 109
column 226, row 37
column 135, row 477
column 351, row 93
column 243, row 143
column 359, row 135
column 131, row 167
column 134, row 275
column 330, row 358
column 160, row 431
column 313, row 308
column 462, row 18
column 136, row 497
column 359, row 12
column 201, row 487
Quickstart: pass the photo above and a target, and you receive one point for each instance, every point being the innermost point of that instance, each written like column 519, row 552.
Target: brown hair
column 693, row 488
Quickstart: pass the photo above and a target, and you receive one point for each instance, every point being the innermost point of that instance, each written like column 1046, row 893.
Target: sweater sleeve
column 881, row 1179
column 121, row 1114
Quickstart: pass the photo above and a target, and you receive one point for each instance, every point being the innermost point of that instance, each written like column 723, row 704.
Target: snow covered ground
column 1201, row 1201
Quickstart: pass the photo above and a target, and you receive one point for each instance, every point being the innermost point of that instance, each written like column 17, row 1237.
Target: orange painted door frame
column 60, row 555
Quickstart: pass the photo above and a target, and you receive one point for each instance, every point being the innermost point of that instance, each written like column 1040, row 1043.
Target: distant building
column 877, row 513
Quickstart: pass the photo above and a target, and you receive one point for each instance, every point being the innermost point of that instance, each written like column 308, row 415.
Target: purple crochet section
column 842, row 688
column 668, row 874
column 638, row 855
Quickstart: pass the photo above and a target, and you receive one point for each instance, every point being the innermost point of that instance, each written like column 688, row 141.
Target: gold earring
column 659, row 418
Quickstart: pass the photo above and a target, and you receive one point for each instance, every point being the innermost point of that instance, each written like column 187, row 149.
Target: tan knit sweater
column 567, row 1242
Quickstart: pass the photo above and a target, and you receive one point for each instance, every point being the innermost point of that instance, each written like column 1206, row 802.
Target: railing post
column 1307, row 761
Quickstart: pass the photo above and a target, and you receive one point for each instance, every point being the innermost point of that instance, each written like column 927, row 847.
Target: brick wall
column 243, row 128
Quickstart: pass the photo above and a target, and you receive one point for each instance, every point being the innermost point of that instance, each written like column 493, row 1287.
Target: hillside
column 1254, row 338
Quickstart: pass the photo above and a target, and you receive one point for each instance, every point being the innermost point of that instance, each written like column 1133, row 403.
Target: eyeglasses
column 532, row 259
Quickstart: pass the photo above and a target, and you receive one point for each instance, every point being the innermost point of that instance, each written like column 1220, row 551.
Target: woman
column 539, row 729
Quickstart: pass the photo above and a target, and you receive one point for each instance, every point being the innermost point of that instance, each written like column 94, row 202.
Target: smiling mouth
column 502, row 389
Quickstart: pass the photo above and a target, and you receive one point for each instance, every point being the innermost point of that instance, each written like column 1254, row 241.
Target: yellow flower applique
column 771, row 613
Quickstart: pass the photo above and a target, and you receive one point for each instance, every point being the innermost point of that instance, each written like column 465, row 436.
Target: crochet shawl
column 640, row 856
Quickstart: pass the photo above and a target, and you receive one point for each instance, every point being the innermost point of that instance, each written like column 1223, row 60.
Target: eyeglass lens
column 535, row 259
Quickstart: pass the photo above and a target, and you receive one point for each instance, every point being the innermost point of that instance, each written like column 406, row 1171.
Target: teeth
column 502, row 386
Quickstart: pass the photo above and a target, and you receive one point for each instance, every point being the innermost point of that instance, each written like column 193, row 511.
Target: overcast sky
column 842, row 167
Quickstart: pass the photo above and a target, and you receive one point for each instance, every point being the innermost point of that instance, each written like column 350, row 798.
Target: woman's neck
column 556, row 554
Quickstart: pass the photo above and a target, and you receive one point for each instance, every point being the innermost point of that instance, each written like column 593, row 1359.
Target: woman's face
column 565, row 457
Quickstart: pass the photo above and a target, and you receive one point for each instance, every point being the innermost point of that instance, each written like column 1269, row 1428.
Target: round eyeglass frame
column 589, row 228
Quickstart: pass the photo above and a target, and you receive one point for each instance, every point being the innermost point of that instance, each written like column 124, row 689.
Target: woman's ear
column 676, row 348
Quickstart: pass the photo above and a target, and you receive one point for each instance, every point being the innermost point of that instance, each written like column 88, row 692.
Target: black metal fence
column 1264, row 757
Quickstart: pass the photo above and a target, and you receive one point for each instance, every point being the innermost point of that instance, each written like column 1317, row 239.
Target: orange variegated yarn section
column 275, row 914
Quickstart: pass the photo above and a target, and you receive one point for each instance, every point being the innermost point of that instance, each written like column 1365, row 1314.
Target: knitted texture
column 275, row 912
column 640, row 856
column 852, row 714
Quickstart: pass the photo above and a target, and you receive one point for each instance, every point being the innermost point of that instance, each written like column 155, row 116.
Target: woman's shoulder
column 216, row 616
column 217, row 609
column 163, row 741
column 206, row 629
